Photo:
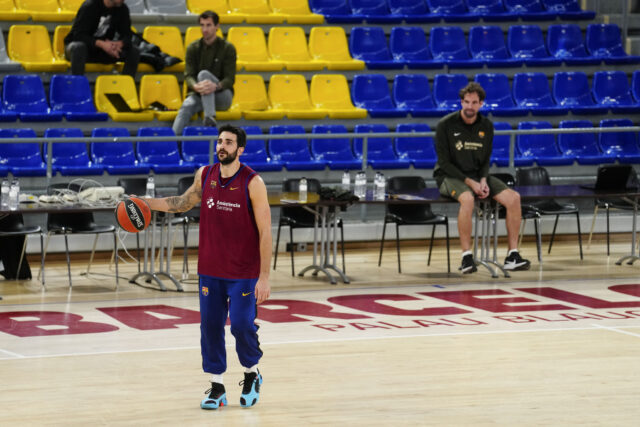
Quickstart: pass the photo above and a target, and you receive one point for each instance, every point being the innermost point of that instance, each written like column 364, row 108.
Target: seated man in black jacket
column 101, row 32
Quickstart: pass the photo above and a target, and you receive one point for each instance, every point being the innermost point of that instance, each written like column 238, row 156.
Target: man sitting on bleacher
column 93, row 36
column 463, row 143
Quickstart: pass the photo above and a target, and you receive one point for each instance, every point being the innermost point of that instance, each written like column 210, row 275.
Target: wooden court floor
column 556, row 345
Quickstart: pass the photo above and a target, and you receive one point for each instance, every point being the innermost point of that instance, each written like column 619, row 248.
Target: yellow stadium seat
column 70, row 5
column 289, row 92
column 251, row 48
column 59, row 34
column 330, row 44
column 250, row 98
column 9, row 12
column 289, row 45
column 221, row 7
column 30, row 45
column 169, row 40
column 193, row 33
column 163, row 89
column 255, row 11
column 331, row 92
column 126, row 87
column 295, row 11
column 45, row 10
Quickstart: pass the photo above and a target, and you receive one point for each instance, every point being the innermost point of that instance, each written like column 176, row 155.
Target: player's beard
column 469, row 114
column 229, row 158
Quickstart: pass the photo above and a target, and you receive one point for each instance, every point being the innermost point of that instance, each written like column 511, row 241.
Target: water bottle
column 151, row 187
column 14, row 194
column 379, row 186
column 360, row 187
column 346, row 181
column 5, row 193
column 302, row 190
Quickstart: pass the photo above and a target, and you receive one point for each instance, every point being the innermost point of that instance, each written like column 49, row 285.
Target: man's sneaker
column 515, row 262
column 217, row 397
column 250, row 389
column 468, row 265
column 209, row 121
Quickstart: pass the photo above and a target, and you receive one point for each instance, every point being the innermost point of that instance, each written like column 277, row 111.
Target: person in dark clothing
column 101, row 32
column 463, row 142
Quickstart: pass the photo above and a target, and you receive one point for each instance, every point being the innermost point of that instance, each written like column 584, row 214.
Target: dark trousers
column 78, row 53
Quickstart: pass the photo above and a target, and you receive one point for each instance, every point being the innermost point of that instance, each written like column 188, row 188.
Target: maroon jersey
column 229, row 245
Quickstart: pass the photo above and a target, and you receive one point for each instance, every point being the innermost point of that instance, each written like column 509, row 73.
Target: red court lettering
column 515, row 319
column 329, row 327
column 363, row 326
column 633, row 290
column 141, row 316
column 369, row 303
column 44, row 323
column 578, row 299
column 271, row 312
column 500, row 304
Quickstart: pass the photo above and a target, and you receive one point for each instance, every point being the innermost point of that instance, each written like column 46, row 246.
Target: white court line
column 10, row 353
column 620, row 331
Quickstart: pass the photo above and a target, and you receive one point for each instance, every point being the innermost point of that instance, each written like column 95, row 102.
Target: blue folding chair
column 446, row 91
column 490, row 10
column 583, row 146
column 411, row 93
column 541, row 147
column 413, row 11
column 529, row 10
column 486, row 44
column 374, row 11
column 293, row 153
column 605, row 41
column 380, row 152
column 22, row 159
column 420, row 150
column 71, row 158
column 635, row 85
column 565, row 42
column 369, row 44
column 71, row 96
column 622, row 145
column 452, row 10
column 449, row 45
column 197, row 152
column 501, row 147
column 409, row 45
column 162, row 156
column 499, row 99
column 256, row 154
column 117, row 158
column 336, row 152
column 568, row 9
column 531, row 91
column 527, row 43
column 571, row 89
column 335, row 11
column 611, row 89
column 24, row 95
column 371, row 92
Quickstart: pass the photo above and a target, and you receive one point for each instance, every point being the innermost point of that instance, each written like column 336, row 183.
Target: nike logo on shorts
column 244, row 294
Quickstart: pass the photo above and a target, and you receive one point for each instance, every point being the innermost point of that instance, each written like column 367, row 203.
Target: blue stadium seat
column 449, row 45
column 565, row 42
column 486, row 44
column 446, row 88
column 293, row 153
column 380, row 152
column 541, row 147
column 162, row 156
column 499, row 99
column 582, row 145
column 256, row 155
column 529, row 10
column 527, row 43
column 335, row 151
column 623, row 145
column 374, row 11
column 24, row 94
column 371, row 92
column 635, row 85
column 571, row 89
column 411, row 93
column 409, row 45
column 420, row 150
column 605, row 41
column 117, row 158
column 71, row 96
column 369, row 44
column 22, row 159
column 71, row 158
column 611, row 89
column 335, row 11
column 531, row 91
column 490, row 10
column 413, row 11
column 452, row 10
column 501, row 146
column 568, row 9
column 197, row 152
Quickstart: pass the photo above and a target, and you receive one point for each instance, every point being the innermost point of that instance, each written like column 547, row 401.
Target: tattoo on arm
column 177, row 204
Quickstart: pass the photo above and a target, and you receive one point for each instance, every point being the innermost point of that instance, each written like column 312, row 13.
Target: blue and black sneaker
column 217, row 397
column 250, row 389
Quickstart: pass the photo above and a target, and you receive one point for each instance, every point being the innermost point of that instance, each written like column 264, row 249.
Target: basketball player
column 233, row 261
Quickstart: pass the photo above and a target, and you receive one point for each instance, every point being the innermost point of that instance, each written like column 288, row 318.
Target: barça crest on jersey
column 481, row 134
column 205, row 291
column 214, row 183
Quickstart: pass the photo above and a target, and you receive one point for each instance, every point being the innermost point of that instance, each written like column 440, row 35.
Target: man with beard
column 233, row 261
column 463, row 144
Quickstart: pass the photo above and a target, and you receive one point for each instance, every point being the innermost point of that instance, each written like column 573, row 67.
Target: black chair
column 414, row 214
column 540, row 176
column 186, row 218
column 296, row 217
column 13, row 226
column 607, row 205
column 77, row 223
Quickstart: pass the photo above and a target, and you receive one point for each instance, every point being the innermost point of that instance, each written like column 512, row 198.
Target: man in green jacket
column 464, row 141
column 210, row 71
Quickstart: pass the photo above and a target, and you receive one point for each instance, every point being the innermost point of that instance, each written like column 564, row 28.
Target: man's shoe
column 217, row 397
column 515, row 262
column 210, row 121
column 250, row 389
column 468, row 264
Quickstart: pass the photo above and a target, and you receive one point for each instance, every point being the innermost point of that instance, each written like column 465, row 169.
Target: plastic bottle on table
column 380, row 183
column 5, row 193
column 302, row 190
column 151, row 187
column 346, row 181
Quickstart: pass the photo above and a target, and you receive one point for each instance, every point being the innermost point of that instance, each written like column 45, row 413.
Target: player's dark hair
column 240, row 134
column 473, row 87
column 209, row 14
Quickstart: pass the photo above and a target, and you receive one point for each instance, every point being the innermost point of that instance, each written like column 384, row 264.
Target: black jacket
column 88, row 19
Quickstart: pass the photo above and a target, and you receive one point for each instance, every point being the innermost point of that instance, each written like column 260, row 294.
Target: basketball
column 133, row 214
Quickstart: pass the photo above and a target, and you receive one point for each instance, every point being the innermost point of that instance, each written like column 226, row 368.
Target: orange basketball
column 133, row 214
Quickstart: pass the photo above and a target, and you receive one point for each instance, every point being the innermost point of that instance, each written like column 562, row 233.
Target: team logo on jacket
column 205, row 291
column 210, row 202
column 481, row 134
column 459, row 145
